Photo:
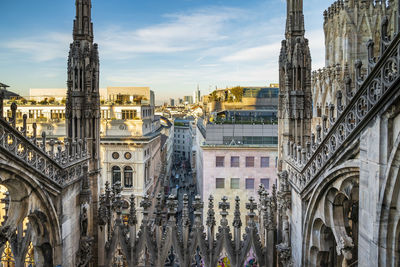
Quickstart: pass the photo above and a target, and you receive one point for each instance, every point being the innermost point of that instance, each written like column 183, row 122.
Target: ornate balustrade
column 60, row 162
column 162, row 241
column 380, row 84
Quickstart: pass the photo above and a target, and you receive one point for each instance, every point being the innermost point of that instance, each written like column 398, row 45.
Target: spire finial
column 83, row 27
column 295, row 18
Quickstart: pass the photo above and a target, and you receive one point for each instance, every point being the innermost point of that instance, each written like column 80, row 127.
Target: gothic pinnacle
column 83, row 27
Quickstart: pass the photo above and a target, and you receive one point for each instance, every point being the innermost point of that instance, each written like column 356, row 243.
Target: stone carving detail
column 61, row 166
column 295, row 95
column 285, row 257
column 84, row 222
column 372, row 90
column 284, row 204
column 165, row 239
column 84, row 254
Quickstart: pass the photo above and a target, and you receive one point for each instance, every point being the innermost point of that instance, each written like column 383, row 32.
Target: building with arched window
column 130, row 135
column 116, row 174
column 128, row 177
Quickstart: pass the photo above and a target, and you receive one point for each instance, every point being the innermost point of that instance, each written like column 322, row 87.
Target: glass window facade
column 251, row 140
column 265, row 92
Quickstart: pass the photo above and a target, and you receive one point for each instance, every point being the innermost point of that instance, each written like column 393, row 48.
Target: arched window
column 128, row 176
column 116, row 174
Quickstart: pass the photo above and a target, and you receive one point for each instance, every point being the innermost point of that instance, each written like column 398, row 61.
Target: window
column 265, row 182
column 115, row 155
column 116, row 174
column 128, row 114
column 235, row 183
column 250, row 183
column 235, row 162
column 264, row 162
column 146, row 172
column 220, row 183
column 219, row 161
column 128, row 155
column 128, row 176
column 125, row 205
column 249, row 161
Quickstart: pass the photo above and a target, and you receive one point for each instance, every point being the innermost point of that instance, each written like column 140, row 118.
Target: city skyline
column 171, row 49
column 304, row 172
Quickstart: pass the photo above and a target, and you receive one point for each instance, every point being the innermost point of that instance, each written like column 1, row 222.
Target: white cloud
column 263, row 52
column 227, row 46
column 175, row 82
column 182, row 32
column 42, row 48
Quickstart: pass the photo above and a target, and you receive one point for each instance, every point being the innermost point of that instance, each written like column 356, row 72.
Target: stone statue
column 84, row 254
column 285, row 231
column 84, row 222
column 354, row 212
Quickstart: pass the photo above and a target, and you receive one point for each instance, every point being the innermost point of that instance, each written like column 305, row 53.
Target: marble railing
column 59, row 162
column 379, row 85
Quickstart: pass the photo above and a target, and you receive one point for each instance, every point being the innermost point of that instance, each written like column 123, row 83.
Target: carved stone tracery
column 184, row 241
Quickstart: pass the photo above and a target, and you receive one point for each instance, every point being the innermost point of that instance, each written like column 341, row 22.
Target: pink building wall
column 211, row 172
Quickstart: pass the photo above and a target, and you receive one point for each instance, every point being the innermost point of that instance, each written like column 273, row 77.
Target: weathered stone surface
column 343, row 206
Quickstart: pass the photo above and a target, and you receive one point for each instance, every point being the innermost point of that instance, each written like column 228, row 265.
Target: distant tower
column 197, row 95
column 83, row 102
column 295, row 102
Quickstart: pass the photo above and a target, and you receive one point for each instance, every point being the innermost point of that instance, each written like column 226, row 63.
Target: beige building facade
column 130, row 145
column 237, row 171
column 233, row 160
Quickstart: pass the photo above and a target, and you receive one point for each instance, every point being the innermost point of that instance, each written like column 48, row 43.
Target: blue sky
column 169, row 45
